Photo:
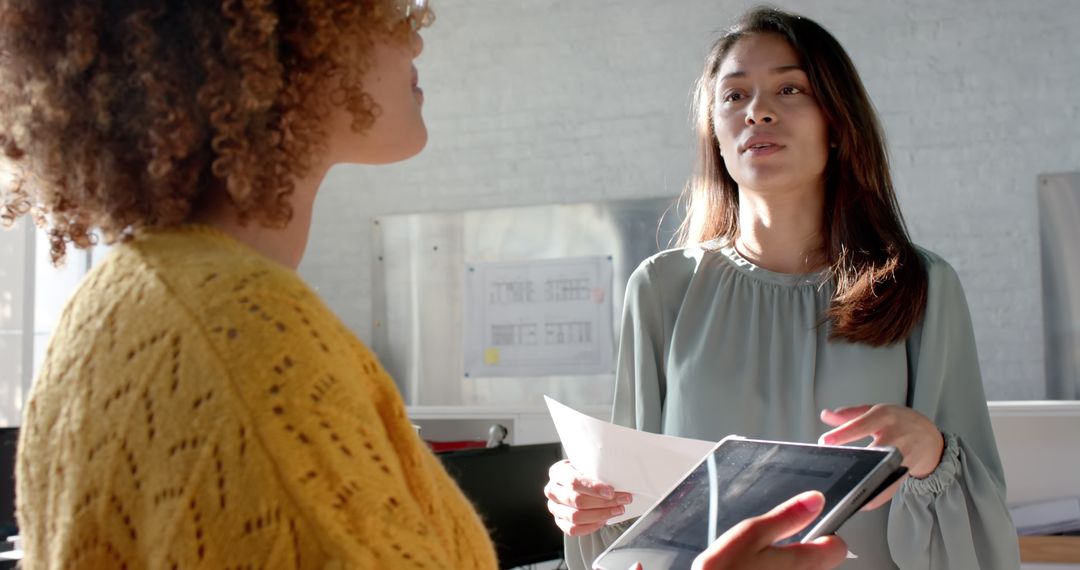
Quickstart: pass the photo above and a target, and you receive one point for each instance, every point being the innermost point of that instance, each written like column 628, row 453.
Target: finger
column 579, row 500
column 825, row 552
column 578, row 530
column 866, row 425
column 583, row 516
column 750, row 537
column 573, row 529
column 788, row 518
column 565, row 474
column 843, row 415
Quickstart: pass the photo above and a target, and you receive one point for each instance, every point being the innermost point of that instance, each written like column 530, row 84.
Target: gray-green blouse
column 713, row 345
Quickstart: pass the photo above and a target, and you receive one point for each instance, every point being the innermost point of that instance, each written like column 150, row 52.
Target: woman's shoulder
column 930, row 258
column 940, row 273
column 202, row 280
column 946, row 302
column 204, row 268
column 675, row 262
column 668, row 270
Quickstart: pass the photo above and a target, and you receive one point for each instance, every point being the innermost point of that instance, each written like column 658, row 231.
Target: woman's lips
column 415, row 84
column 763, row 149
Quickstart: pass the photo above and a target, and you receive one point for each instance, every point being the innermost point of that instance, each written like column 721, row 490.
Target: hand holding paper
column 643, row 464
column 579, row 504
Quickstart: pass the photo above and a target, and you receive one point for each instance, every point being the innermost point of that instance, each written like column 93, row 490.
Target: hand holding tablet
column 742, row 479
column 751, row 543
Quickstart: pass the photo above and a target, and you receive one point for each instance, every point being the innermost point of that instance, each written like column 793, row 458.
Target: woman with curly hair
column 199, row 406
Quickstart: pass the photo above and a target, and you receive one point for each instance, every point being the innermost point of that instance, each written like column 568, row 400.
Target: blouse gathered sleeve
column 639, row 392
column 956, row 517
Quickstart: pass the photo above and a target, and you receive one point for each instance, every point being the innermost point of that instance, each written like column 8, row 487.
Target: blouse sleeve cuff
column 943, row 476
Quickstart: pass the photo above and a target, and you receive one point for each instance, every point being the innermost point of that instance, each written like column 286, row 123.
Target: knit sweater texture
column 200, row 407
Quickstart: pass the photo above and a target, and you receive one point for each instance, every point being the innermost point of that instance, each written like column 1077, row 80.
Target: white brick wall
column 542, row 101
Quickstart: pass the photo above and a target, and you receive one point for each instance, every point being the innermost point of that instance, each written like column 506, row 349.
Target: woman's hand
column 581, row 506
column 917, row 438
column 749, row 544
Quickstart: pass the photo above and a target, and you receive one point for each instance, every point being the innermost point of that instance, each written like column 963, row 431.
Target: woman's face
column 392, row 83
column 772, row 134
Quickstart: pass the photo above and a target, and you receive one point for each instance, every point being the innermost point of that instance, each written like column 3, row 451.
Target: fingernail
column 812, row 502
column 624, row 499
column 618, row 510
column 607, row 492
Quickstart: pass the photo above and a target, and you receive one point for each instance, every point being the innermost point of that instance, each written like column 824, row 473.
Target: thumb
column 788, row 518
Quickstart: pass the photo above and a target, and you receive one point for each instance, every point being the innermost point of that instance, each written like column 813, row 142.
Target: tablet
column 742, row 478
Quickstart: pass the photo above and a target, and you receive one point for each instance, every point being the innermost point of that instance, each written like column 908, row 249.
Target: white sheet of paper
column 644, row 464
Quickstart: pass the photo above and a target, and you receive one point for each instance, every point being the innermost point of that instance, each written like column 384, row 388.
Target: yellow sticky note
column 491, row 356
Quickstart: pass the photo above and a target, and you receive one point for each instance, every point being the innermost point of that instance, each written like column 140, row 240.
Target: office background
column 550, row 101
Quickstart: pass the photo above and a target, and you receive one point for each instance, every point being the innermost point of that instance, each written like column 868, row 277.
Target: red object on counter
column 440, row 446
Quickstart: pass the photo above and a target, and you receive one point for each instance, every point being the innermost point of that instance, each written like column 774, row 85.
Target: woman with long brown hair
column 798, row 303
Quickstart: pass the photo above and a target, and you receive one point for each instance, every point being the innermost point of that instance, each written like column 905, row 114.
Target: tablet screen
column 738, row 480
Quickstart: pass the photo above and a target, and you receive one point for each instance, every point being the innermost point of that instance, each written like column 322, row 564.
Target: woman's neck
column 782, row 233
column 284, row 245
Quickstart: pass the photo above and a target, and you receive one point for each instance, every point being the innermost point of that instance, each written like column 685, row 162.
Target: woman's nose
column 417, row 42
column 759, row 112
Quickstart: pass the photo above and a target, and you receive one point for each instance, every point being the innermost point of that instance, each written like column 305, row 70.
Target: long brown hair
column 880, row 281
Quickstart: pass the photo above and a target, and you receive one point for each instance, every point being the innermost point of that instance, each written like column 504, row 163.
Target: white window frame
column 30, row 298
column 30, row 330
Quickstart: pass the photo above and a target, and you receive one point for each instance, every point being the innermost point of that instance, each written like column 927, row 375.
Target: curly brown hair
column 119, row 116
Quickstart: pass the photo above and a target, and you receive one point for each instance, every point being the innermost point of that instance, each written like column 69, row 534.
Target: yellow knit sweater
column 199, row 407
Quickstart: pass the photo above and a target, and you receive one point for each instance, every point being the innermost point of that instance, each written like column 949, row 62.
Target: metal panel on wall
column 420, row 284
column 1059, row 237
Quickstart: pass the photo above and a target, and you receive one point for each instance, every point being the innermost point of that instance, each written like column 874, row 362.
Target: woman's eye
column 790, row 90
column 732, row 97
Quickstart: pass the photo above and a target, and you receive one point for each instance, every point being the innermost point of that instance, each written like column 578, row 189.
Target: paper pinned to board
column 644, row 464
